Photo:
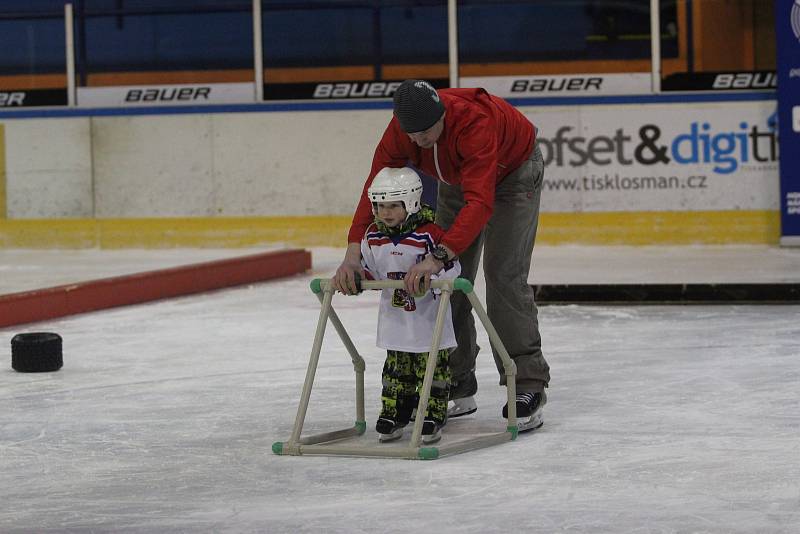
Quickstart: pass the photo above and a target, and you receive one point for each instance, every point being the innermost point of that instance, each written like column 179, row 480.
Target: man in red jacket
column 484, row 154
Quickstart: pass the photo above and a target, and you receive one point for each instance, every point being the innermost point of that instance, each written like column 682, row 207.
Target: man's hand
column 418, row 277
column 344, row 280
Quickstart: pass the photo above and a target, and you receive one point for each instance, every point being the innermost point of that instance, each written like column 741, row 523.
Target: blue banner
column 787, row 31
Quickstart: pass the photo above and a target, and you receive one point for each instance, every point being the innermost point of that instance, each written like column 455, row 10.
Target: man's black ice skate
column 529, row 410
column 462, row 400
column 431, row 431
column 389, row 429
column 462, row 406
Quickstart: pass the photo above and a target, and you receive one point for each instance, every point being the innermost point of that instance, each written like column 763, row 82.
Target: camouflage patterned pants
column 403, row 374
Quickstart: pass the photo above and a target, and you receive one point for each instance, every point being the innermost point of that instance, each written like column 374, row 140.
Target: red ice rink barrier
column 81, row 297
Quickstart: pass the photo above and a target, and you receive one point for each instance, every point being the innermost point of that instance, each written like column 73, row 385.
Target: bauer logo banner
column 33, row 97
column 787, row 32
column 166, row 95
column 659, row 157
column 721, row 81
column 340, row 90
column 569, row 85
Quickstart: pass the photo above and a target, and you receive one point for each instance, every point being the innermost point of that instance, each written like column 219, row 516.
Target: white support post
column 655, row 45
column 452, row 41
column 70, row 45
column 258, row 54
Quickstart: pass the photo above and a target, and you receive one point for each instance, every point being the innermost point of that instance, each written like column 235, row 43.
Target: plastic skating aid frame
column 333, row 443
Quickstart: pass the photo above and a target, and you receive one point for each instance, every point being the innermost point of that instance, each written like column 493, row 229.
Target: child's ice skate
column 389, row 429
column 431, row 431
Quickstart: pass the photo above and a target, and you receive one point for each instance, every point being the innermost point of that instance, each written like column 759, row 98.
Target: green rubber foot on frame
column 316, row 285
column 277, row 447
column 428, row 453
column 361, row 426
column 462, row 284
column 514, row 431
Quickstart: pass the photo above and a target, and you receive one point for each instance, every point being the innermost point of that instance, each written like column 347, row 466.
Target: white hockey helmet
column 397, row 185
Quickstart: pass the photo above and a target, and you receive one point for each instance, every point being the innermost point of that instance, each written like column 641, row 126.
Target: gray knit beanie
column 417, row 106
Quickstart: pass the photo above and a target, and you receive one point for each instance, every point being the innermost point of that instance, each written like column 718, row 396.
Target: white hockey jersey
column 406, row 322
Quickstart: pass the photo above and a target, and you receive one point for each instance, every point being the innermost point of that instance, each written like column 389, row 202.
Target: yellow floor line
column 616, row 228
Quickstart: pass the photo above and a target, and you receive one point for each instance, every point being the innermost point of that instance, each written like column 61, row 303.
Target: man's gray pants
column 507, row 243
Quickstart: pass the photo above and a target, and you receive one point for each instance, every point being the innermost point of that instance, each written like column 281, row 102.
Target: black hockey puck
column 36, row 352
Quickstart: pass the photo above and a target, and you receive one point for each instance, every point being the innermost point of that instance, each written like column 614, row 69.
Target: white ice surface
column 665, row 264
column 660, row 419
column 24, row 270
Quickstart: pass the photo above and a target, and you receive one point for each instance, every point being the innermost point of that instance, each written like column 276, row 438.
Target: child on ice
column 402, row 234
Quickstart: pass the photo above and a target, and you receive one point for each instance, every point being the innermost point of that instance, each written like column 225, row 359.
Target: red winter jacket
column 484, row 139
